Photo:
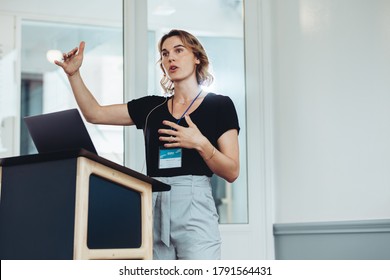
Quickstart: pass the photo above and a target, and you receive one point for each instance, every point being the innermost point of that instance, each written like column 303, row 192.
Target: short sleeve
column 140, row 108
column 227, row 116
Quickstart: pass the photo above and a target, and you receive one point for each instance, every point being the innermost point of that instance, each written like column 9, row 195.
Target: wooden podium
column 74, row 205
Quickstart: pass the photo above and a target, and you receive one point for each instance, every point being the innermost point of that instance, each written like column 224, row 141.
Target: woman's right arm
column 93, row 112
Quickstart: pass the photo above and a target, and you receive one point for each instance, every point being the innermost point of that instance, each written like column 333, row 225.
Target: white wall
column 331, row 67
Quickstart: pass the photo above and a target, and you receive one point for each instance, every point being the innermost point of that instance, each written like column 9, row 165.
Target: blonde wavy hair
column 203, row 76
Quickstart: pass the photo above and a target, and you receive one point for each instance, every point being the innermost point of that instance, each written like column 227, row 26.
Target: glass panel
column 219, row 26
column 45, row 88
column 8, row 88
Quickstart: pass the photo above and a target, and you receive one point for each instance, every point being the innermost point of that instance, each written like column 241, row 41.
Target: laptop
column 59, row 131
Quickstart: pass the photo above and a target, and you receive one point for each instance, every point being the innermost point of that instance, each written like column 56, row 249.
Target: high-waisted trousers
column 185, row 222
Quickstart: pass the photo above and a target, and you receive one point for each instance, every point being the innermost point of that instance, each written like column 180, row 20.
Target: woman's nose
column 171, row 57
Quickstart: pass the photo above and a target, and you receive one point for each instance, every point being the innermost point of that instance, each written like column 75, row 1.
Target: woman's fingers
column 72, row 60
column 173, row 125
column 76, row 51
column 72, row 53
column 170, row 139
column 81, row 48
column 168, row 132
column 59, row 63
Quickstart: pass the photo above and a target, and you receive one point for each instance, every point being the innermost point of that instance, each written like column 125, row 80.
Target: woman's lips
column 173, row 68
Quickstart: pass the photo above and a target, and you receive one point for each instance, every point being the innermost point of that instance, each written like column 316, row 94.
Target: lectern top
column 157, row 186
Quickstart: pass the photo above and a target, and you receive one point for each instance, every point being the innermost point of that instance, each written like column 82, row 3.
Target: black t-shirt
column 214, row 116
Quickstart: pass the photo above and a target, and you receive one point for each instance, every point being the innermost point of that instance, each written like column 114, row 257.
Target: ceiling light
column 164, row 9
column 52, row 55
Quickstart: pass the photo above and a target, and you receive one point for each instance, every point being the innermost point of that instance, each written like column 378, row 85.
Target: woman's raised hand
column 71, row 61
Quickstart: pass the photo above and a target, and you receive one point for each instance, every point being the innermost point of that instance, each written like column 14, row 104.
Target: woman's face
column 179, row 63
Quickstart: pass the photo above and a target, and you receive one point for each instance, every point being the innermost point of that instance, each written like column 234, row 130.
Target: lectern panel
column 103, row 197
column 114, row 215
column 37, row 210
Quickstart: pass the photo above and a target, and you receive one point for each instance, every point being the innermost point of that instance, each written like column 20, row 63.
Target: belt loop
column 192, row 184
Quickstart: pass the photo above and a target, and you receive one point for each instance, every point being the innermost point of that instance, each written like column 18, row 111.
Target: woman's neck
column 185, row 94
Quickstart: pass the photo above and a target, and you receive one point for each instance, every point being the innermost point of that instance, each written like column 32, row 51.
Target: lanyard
column 185, row 112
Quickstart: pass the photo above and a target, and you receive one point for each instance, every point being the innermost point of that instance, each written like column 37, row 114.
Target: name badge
column 170, row 158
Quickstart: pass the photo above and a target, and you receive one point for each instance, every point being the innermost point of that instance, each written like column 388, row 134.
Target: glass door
column 44, row 85
column 219, row 25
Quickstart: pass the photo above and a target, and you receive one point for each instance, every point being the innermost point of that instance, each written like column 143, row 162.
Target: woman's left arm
column 222, row 160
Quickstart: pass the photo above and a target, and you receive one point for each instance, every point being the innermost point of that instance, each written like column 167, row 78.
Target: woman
column 188, row 137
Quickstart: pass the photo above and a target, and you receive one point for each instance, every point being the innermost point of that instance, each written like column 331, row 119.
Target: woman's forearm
column 84, row 98
column 222, row 162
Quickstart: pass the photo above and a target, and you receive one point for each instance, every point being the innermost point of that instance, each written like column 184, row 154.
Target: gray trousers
column 185, row 220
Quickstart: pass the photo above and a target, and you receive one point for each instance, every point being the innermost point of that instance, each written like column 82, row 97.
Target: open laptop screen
column 59, row 131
